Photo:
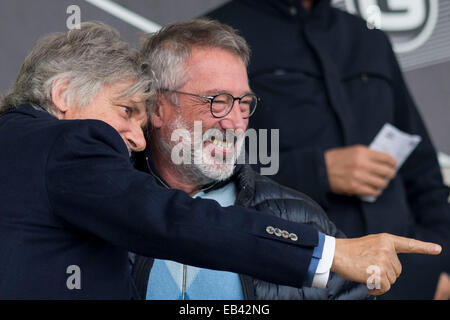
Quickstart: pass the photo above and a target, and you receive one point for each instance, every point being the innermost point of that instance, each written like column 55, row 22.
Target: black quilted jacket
column 261, row 193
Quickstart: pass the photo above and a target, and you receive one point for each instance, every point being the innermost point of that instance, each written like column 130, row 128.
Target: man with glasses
column 200, row 67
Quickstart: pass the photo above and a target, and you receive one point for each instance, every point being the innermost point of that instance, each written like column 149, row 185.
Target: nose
column 234, row 120
column 134, row 138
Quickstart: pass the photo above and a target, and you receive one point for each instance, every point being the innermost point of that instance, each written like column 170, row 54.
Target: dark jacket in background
column 69, row 196
column 260, row 193
column 326, row 80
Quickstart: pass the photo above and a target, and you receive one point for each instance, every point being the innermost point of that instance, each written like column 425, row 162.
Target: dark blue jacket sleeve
column 92, row 187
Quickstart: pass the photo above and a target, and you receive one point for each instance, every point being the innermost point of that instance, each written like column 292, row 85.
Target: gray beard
column 192, row 173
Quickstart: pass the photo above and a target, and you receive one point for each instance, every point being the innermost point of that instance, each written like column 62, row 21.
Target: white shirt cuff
column 322, row 274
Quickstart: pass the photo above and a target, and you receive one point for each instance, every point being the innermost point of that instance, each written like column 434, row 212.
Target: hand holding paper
column 358, row 170
column 364, row 172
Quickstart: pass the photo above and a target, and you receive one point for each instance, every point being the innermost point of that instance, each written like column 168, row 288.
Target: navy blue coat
column 69, row 196
column 326, row 80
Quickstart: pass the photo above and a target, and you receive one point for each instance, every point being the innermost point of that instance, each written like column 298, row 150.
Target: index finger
column 408, row 245
column 383, row 157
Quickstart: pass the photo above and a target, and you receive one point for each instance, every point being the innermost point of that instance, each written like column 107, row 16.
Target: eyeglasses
column 221, row 104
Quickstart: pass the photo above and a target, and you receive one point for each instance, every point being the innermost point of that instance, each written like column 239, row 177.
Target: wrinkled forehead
column 215, row 69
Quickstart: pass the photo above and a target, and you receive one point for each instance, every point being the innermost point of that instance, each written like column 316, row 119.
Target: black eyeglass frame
column 211, row 100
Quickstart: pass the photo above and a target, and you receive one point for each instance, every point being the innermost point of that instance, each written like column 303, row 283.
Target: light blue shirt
column 171, row 280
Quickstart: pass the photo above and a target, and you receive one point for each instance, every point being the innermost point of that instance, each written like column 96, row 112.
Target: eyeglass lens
column 223, row 103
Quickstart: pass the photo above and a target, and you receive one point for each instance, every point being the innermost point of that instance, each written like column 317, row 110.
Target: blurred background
column 419, row 30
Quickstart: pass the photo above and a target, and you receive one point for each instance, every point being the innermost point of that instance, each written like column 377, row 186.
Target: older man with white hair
column 196, row 130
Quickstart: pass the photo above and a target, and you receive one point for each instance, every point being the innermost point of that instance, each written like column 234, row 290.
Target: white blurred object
column 126, row 15
column 396, row 143
column 444, row 162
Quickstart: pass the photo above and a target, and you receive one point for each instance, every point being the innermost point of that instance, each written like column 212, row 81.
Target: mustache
column 229, row 135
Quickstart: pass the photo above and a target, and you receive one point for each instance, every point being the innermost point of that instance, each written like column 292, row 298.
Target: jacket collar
column 245, row 180
column 35, row 111
column 242, row 176
column 150, row 168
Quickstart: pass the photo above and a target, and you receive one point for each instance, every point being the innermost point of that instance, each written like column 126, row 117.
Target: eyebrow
column 129, row 102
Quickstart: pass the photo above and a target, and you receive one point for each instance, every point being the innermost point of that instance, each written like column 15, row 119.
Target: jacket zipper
column 183, row 290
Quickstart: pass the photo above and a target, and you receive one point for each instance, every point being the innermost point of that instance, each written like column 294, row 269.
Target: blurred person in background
column 329, row 83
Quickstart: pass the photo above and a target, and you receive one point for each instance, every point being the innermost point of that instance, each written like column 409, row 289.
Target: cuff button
column 293, row 237
column 277, row 232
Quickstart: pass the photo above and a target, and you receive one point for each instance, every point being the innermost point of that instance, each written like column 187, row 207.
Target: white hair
column 85, row 60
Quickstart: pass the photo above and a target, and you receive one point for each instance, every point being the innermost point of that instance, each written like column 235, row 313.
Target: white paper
column 396, row 143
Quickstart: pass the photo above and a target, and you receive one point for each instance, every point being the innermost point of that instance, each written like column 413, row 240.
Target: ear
column 158, row 113
column 58, row 96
